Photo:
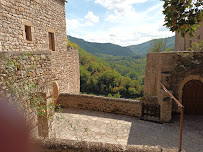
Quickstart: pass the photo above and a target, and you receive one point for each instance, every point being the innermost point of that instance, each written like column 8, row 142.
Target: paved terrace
column 95, row 126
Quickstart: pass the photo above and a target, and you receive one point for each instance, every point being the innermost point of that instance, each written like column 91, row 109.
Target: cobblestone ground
column 94, row 126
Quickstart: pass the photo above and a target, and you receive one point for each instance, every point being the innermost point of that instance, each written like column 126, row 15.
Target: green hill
column 97, row 76
column 142, row 49
column 102, row 48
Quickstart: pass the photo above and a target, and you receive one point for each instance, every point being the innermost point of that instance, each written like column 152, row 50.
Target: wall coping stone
column 85, row 146
column 104, row 98
column 175, row 52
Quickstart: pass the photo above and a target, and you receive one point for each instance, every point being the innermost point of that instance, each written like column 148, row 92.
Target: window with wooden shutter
column 51, row 41
column 28, row 33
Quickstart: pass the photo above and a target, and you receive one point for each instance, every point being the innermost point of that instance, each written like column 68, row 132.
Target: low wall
column 53, row 145
column 103, row 104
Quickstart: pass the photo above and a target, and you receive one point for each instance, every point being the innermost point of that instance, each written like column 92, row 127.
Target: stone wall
column 38, row 62
column 47, row 69
column 31, row 68
column 54, row 145
column 103, row 104
column 183, row 44
column 65, row 65
column 162, row 67
column 152, row 74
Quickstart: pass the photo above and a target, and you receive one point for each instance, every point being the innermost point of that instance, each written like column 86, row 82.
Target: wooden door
column 55, row 93
column 193, row 97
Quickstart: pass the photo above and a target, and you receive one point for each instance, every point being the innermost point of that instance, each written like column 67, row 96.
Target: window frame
column 51, row 41
column 28, row 38
column 28, row 33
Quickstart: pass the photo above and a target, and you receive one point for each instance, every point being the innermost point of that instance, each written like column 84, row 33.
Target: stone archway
column 55, row 92
column 193, row 97
column 188, row 84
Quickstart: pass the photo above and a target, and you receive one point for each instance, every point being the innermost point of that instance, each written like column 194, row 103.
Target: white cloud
column 119, row 6
column 72, row 24
column 129, row 32
column 91, row 18
column 122, row 25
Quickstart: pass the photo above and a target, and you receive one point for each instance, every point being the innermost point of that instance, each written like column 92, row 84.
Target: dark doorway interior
column 193, row 97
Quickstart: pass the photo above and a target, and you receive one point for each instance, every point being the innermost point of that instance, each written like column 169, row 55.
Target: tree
column 197, row 46
column 157, row 45
column 183, row 15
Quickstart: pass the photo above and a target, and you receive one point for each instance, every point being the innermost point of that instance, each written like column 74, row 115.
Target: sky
column 122, row 22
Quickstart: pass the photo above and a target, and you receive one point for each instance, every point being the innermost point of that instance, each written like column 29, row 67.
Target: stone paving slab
column 76, row 124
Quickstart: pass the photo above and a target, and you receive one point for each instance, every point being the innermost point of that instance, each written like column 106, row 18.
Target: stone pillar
column 43, row 124
column 166, row 107
column 43, row 127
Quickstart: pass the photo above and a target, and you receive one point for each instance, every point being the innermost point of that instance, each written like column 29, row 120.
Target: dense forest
column 111, row 76
column 130, row 66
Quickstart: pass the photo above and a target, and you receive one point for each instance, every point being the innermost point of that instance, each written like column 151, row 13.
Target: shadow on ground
column 141, row 132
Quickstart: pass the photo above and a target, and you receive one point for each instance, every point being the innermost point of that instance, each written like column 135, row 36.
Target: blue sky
column 122, row 22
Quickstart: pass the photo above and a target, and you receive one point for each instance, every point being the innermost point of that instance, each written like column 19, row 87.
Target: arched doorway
column 55, row 93
column 193, row 97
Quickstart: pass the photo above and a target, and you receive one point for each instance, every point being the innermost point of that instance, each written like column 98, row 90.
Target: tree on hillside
column 157, row 45
column 183, row 15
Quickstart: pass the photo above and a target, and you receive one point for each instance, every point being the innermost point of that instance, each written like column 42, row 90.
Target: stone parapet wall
column 103, row 104
column 53, row 145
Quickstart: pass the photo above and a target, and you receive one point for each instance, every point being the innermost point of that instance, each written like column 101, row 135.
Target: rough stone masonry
column 40, row 26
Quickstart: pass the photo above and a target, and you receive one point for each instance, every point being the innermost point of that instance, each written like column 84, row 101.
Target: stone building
column 181, row 72
column 38, row 27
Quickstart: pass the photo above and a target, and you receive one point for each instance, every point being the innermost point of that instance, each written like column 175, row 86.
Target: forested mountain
column 116, row 50
column 102, row 48
column 98, row 77
column 142, row 49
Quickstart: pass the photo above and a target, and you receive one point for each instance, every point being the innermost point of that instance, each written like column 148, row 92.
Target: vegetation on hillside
column 130, row 66
column 144, row 48
column 98, row 77
column 159, row 45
